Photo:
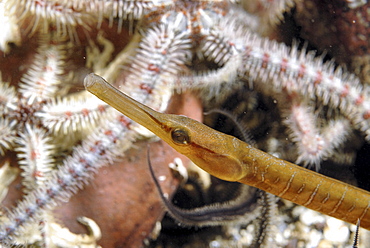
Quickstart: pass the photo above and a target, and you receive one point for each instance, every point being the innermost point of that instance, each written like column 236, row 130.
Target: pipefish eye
column 180, row 136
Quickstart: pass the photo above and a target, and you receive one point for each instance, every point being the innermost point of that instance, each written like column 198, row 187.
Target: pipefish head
column 213, row 151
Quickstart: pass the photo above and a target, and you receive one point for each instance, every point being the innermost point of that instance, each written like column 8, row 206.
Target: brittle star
column 230, row 159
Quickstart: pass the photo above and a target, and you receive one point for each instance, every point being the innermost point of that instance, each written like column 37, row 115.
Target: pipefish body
column 230, row 159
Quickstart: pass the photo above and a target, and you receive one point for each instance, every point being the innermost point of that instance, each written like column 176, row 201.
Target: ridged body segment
column 305, row 187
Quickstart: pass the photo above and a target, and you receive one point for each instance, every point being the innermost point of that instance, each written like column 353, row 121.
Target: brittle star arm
column 279, row 68
column 230, row 159
column 209, row 215
column 247, row 206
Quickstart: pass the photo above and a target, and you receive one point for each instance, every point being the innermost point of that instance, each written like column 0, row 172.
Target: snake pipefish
column 230, row 159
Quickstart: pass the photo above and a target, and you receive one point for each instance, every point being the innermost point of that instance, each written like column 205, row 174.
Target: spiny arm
column 214, row 214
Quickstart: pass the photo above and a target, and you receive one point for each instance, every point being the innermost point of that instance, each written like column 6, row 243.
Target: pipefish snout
column 230, row 159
